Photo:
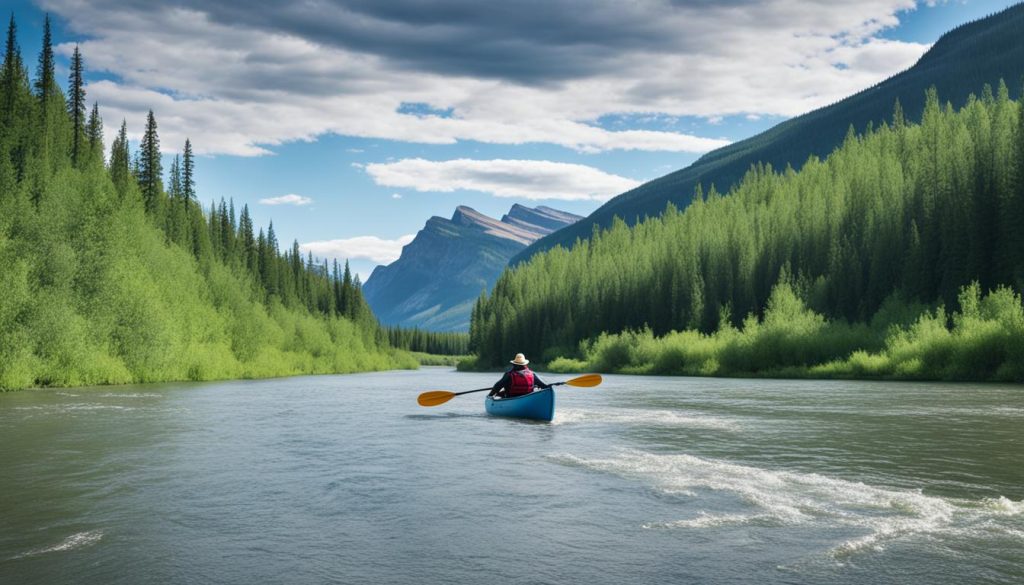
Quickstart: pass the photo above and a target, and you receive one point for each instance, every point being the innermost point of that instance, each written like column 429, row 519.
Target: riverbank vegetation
column 901, row 255
column 112, row 272
column 432, row 342
column 982, row 341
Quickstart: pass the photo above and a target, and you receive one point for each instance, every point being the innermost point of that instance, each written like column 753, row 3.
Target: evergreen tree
column 76, row 109
column 12, row 78
column 120, row 160
column 174, row 190
column 89, row 295
column 16, row 104
column 151, row 169
column 898, row 120
column 913, row 212
column 247, row 239
column 94, row 134
column 52, row 139
column 347, row 306
column 188, row 182
column 46, row 83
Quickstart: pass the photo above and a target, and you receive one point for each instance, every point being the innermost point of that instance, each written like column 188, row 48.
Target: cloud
column 290, row 199
column 526, row 179
column 242, row 77
column 363, row 247
column 396, row 195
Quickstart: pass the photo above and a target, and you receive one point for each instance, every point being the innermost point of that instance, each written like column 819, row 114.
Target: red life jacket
column 522, row 382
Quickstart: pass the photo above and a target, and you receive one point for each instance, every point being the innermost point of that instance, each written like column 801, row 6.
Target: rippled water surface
column 643, row 480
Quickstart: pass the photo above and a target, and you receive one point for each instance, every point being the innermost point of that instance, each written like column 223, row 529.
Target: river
column 345, row 479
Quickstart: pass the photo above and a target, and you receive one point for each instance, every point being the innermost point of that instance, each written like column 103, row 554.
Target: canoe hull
column 539, row 405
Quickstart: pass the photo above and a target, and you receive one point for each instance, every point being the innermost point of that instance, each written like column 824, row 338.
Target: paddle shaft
column 488, row 388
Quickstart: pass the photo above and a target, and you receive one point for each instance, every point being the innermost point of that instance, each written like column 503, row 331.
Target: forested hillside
column 109, row 274
column 964, row 59
column 851, row 253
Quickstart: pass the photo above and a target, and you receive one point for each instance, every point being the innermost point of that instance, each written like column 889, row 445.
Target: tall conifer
column 120, row 159
column 151, row 167
column 45, row 80
column 94, row 133
column 188, row 181
column 76, row 108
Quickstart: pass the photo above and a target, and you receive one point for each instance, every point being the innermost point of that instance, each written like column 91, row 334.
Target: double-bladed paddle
column 436, row 397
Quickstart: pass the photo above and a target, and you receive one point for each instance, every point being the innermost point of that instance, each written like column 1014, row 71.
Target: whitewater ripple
column 643, row 417
column 75, row 541
column 793, row 498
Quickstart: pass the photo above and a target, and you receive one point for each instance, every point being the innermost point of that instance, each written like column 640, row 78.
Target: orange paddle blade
column 434, row 397
column 587, row 381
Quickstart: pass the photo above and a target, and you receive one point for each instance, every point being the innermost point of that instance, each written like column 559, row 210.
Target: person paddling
column 519, row 380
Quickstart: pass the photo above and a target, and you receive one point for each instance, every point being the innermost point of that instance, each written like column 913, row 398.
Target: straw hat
column 520, row 360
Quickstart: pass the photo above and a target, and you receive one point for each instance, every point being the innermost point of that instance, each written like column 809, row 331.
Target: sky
column 348, row 123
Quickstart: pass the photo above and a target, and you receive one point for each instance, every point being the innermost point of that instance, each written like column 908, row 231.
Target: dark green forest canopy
column 434, row 342
column 958, row 64
column 903, row 214
column 112, row 274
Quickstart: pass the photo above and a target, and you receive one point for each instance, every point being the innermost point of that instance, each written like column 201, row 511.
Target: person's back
column 521, row 381
column 518, row 381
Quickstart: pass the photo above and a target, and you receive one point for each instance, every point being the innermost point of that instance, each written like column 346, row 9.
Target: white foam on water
column 629, row 416
column 74, row 408
column 810, row 499
column 1003, row 506
column 706, row 520
column 75, row 541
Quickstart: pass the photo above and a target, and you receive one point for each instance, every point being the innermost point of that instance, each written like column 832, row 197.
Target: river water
column 344, row 479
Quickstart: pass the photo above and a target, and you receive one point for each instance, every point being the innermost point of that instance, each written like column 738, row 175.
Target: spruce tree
column 174, row 190
column 120, row 160
column 898, row 120
column 11, row 77
column 94, row 134
column 150, row 167
column 45, row 80
column 188, row 182
column 16, row 104
column 76, row 109
column 247, row 238
column 347, row 295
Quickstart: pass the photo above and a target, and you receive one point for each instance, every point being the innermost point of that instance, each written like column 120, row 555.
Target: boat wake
column 75, row 541
column 786, row 498
column 624, row 416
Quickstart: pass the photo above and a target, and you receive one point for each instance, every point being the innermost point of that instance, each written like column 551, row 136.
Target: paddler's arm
column 539, row 383
column 502, row 383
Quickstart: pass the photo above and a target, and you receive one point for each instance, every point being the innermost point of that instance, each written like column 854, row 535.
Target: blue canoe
column 539, row 405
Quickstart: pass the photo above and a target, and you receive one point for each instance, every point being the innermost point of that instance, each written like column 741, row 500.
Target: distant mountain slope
column 960, row 63
column 441, row 272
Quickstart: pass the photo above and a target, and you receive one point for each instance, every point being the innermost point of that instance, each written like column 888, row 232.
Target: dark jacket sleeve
column 537, row 382
column 503, row 383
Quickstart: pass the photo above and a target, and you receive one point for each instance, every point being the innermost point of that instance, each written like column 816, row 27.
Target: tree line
column 113, row 271
column 435, row 342
column 901, row 215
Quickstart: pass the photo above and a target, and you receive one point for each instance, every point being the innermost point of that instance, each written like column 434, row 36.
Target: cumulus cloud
column 242, row 77
column 525, row 179
column 289, row 199
column 362, row 247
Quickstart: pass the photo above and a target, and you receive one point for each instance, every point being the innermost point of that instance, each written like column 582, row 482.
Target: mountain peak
column 440, row 273
column 541, row 220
